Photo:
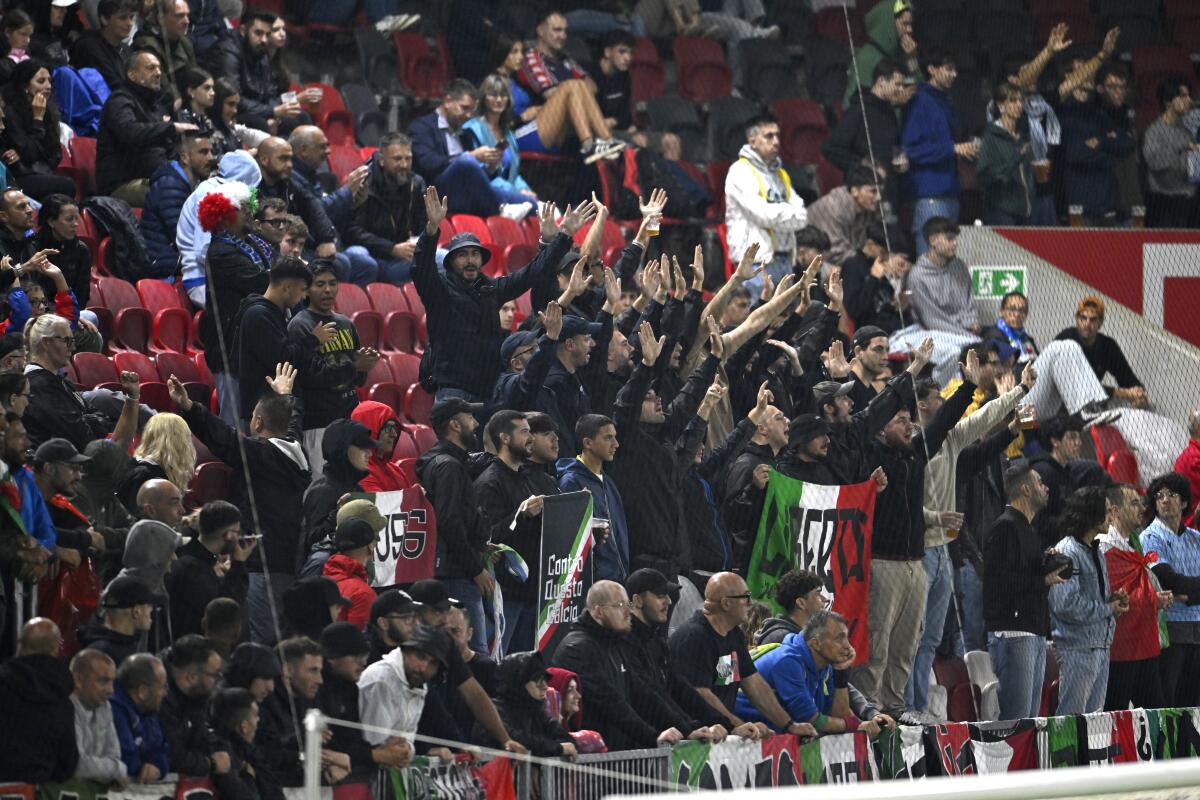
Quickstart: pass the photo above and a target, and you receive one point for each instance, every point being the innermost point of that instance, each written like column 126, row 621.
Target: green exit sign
column 997, row 281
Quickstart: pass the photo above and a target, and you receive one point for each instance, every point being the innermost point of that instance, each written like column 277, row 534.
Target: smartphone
column 245, row 540
column 502, row 145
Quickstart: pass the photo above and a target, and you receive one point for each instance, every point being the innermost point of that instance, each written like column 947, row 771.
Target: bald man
column 622, row 706
column 37, row 719
column 709, row 652
column 275, row 161
column 160, row 500
column 1188, row 465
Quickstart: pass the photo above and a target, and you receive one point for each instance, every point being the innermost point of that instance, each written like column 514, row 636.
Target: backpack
column 128, row 258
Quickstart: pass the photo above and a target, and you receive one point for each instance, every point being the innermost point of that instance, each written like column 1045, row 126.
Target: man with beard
column 170, row 186
column 345, row 651
column 193, row 667
column 391, row 692
column 513, row 511
column 58, row 475
column 136, row 135
column 462, row 531
column 262, row 104
column 384, row 228
column 274, row 158
column 393, row 620
column 211, row 565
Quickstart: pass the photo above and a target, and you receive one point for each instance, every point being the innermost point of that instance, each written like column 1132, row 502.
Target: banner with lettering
column 564, row 571
column 825, row 529
column 406, row 550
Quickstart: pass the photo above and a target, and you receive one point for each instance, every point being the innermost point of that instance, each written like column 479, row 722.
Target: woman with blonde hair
column 166, row 451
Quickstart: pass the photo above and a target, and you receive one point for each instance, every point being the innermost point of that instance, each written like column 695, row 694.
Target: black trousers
column 1136, row 682
column 1178, row 667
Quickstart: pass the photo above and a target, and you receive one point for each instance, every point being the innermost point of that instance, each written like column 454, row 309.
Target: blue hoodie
column 611, row 559
column 930, row 130
column 190, row 238
column 170, row 187
column 141, row 737
column 803, row 690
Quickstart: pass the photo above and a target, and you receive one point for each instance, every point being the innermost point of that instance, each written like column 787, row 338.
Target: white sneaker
column 516, row 211
column 1105, row 417
column 912, row 718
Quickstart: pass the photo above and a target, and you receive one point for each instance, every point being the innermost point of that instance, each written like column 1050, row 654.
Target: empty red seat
column 380, row 373
column 417, row 404
column 386, row 298
column 702, row 71
column 401, row 333
column 646, row 76
column 802, row 129
column 331, row 113
column 157, row 396
column 468, row 223
column 423, row 435
column 184, row 369
column 351, row 298
column 82, row 150
column 170, row 319
column 504, row 231
column 406, row 446
column 390, row 394
column 344, row 159
column 132, row 324
column 93, row 369
column 136, row 362
column 421, row 70
column 405, row 368
column 415, row 304
column 210, row 481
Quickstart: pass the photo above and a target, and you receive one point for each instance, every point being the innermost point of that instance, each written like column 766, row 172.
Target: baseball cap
column 806, row 427
column 126, row 592
column 353, row 534
column 433, row 593
column 825, row 391
column 343, row 639
column 578, row 326
column 649, row 580
column 362, row 509
column 434, row 641
column 569, row 261
column 393, row 601
column 864, row 335
column 514, row 342
column 253, row 660
column 58, row 451
column 445, row 410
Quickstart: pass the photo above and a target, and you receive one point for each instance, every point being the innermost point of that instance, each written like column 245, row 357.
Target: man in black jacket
column 192, row 580
column 274, row 157
column 37, row 718
column 275, row 460
column 623, row 707
column 55, row 408
column 1060, row 438
column 898, row 580
column 855, row 141
column 746, row 480
column 345, row 649
column 123, row 619
column 134, row 140
column 104, row 50
column 346, row 447
column 384, row 228
column 193, row 667
column 462, row 530
column 513, row 511
column 462, row 305
column 262, row 102
column 1016, row 589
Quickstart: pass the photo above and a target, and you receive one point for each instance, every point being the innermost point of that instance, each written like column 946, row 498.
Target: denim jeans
column 447, row 392
column 940, row 574
column 782, row 265
column 926, row 209
column 970, row 589
column 465, row 185
column 466, row 592
column 258, row 606
column 365, row 268
column 520, row 625
column 1083, row 680
column 1020, row 665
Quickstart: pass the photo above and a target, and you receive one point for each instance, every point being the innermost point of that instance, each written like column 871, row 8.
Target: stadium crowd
column 152, row 627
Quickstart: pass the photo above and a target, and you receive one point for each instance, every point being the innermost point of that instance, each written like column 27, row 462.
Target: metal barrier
column 625, row 772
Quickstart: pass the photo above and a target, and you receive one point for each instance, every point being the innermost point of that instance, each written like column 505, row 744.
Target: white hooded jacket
column 760, row 206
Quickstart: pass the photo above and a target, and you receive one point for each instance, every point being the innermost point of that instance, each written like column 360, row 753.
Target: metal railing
column 624, row 772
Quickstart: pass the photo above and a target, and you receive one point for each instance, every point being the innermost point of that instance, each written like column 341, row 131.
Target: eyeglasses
column 67, row 340
column 36, row 301
column 747, row 596
column 622, row 605
column 274, row 223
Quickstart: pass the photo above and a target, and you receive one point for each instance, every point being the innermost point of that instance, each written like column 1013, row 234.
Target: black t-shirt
column 707, row 660
column 614, row 96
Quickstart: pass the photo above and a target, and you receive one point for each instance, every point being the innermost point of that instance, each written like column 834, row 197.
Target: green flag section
column 825, row 529
column 564, row 572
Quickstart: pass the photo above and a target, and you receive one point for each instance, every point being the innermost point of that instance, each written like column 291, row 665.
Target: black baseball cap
column 445, row 410
column 58, row 451
column 126, row 591
column 864, row 335
column 434, row 641
column 514, row 342
column 393, row 601
column 806, row 427
column 433, row 593
column 343, row 639
column 825, row 391
column 328, row 589
column 353, row 534
column 578, row 326
column 649, row 580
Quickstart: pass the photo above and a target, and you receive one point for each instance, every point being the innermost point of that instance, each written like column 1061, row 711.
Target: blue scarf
column 1019, row 340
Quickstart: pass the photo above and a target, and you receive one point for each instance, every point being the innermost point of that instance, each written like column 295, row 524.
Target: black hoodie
column 339, row 478
column 462, row 530
column 524, row 717
column 37, row 720
column 261, row 342
column 116, row 645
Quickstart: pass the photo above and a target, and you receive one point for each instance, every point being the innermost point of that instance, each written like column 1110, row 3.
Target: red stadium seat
column 405, row 368
column 70, row 374
column 421, row 70
column 390, row 394
column 950, row 672
column 445, row 232
column 210, row 482
column 83, row 160
column 417, row 404
column 1108, row 440
column 401, row 333
column 93, row 369
column 386, row 298
column 519, row 255
column 802, row 129
column 185, row 370
column 415, row 305
column 171, row 320
column 645, row 71
column 139, row 363
column 409, row 467
column 532, row 227
column 344, row 159
column 156, row 395
column 504, row 231
column 351, row 298
column 132, row 322
column 423, row 435
column 468, row 223
column 380, row 373
column 703, row 73
column 961, row 703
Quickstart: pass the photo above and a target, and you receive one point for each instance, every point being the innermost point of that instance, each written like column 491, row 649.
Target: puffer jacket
column 761, row 207
column 169, row 190
column 523, row 716
column 1079, row 609
column 382, row 474
column 463, row 319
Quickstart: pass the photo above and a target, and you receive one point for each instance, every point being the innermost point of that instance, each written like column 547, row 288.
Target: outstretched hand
column 575, row 218
column 758, row 414
column 179, row 395
column 436, row 209
column 552, row 319
column 921, row 357
column 651, row 347
column 1029, row 375
column 745, row 269
column 285, row 377
column 971, row 369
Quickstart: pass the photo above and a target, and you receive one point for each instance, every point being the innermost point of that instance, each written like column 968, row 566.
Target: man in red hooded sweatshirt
column 353, row 550
column 384, row 425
